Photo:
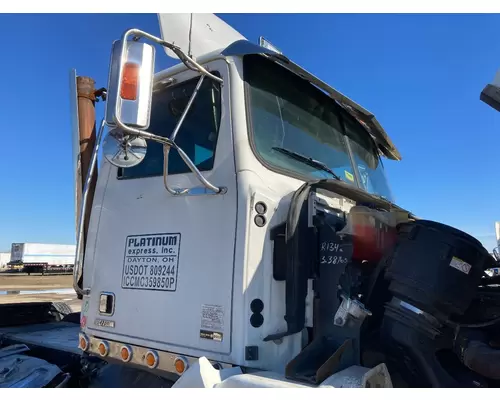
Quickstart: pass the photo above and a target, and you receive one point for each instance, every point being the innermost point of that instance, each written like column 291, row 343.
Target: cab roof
column 366, row 118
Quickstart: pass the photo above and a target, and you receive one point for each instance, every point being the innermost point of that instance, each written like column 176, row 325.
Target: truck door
column 168, row 260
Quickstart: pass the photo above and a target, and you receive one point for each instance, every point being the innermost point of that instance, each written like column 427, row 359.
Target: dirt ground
column 20, row 281
column 59, row 289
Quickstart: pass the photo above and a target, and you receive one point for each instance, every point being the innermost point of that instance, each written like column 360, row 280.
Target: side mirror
column 130, row 84
column 123, row 151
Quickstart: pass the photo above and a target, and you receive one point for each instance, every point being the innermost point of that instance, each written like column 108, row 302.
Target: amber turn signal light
column 83, row 342
column 103, row 349
column 126, row 353
column 181, row 365
column 151, row 359
column 130, row 81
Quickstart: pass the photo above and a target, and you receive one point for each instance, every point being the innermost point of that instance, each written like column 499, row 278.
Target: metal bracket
column 102, row 93
column 350, row 309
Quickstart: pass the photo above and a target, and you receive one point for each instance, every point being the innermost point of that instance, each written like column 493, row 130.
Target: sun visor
column 196, row 34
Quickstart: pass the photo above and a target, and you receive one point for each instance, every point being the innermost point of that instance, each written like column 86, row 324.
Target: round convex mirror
column 123, row 151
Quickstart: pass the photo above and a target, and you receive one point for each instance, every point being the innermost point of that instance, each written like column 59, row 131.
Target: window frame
column 119, row 173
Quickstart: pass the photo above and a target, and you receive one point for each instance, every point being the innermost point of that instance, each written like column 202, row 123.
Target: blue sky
column 420, row 74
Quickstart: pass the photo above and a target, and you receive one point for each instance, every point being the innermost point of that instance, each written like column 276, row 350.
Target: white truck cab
column 189, row 261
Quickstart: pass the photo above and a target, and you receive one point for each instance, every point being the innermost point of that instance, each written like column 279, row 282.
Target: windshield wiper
column 307, row 160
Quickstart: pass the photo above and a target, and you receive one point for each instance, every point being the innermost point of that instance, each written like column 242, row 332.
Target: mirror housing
column 130, row 92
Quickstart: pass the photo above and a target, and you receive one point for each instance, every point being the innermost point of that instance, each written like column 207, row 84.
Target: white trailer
column 42, row 257
column 4, row 259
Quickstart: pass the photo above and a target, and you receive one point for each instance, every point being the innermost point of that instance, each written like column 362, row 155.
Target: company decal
column 151, row 262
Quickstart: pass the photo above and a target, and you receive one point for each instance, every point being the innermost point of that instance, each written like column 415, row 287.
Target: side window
column 198, row 133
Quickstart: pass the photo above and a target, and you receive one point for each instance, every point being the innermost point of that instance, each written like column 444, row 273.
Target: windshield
column 286, row 112
column 368, row 163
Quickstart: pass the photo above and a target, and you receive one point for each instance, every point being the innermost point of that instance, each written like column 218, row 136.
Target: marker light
column 103, row 349
column 126, row 353
column 151, row 359
column 83, row 343
column 130, row 80
column 268, row 45
column 181, row 365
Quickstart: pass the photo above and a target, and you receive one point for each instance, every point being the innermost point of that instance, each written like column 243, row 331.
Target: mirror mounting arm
column 173, row 135
column 182, row 154
column 170, row 142
column 188, row 61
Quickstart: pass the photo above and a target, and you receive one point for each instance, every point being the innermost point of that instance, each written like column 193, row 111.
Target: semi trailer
column 42, row 258
column 243, row 234
column 4, row 259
